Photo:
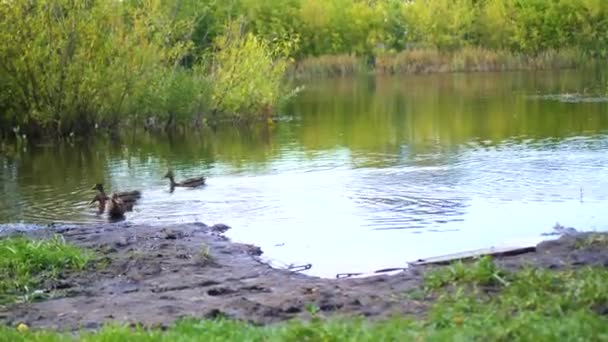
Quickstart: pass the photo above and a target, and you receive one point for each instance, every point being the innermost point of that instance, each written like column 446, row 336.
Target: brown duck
column 116, row 207
column 102, row 202
column 114, row 204
column 188, row 183
column 125, row 196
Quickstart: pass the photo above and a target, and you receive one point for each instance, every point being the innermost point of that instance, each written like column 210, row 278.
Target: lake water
column 363, row 173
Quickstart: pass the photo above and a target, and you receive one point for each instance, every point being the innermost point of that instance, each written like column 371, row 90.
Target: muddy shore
column 154, row 275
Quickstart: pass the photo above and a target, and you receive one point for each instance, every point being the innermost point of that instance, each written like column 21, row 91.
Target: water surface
column 363, row 174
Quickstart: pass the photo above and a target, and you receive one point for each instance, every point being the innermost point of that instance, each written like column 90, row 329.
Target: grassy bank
column 432, row 60
column 29, row 268
column 477, row 301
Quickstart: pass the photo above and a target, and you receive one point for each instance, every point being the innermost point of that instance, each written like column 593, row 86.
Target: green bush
column 73, row 65
column 247, row 75
column 68, row 65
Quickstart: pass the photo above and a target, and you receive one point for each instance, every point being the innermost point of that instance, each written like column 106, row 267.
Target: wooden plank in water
column 492, row 251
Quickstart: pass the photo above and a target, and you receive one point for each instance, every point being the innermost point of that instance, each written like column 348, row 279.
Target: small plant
column 414, row 294
column 483, row 272
column 312, row 309
column 205, row 254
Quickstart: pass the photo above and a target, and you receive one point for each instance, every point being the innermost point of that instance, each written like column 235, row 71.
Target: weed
column 483, row 272
column 592, row 240
column 205, row 254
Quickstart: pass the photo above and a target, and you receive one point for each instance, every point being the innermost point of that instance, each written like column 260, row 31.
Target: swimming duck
column 188, row 183
column 103, row 202
column 116, row 207
column 125, row 196
column 102, row 199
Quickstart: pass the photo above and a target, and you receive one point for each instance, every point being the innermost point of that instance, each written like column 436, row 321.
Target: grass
column 483, row 272
column 471, row 304
column 486, row 302
column 593, row 240
column 26, row 264
column 431, row 60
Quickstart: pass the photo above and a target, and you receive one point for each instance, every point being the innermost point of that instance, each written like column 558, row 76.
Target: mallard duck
column 116, row 207
column 125, row 196
column 188, row 183
column 103, row 202
column 102, row 199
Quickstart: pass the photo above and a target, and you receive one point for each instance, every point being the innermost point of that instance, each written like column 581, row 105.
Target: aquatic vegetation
column 330, row 66
column 467, row 59
column 433, row 60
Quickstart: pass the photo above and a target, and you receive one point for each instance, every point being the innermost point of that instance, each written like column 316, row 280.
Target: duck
column 125, row 196
column 116, row 207
column 188, row 183
column 103, row 203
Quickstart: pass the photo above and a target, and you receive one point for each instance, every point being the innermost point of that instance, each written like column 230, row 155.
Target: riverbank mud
column 153, row 275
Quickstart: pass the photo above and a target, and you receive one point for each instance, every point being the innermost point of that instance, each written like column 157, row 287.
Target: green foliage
column 536, row 25
column 316, row 27
column 26, row 263
column 482, row 272
column 534, row 305
column 441, row 24
column 67, row 65
column 246, row 74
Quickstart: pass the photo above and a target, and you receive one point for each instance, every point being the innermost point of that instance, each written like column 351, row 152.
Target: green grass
column 482, row 272
column 482, row 301
column 26, row 264
column 471, row 304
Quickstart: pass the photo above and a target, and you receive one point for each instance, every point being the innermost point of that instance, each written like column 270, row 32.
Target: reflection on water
column 368, row 173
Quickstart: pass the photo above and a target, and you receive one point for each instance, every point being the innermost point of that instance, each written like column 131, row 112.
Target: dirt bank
column 154, row 275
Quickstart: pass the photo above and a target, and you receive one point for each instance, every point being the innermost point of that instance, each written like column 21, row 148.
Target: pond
column 363, row 174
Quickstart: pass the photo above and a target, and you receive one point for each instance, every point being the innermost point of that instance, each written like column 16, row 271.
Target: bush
column 247, row 75
column 67, row 65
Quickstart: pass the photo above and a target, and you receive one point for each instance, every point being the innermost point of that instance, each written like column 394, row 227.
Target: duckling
column 188, row 183
column 125, row 196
